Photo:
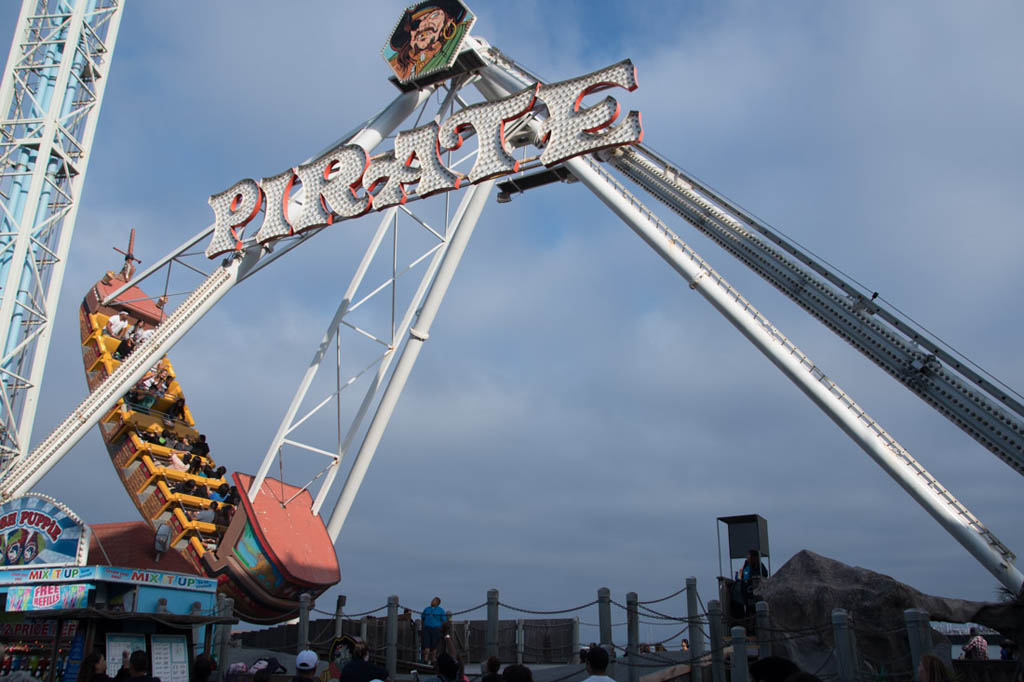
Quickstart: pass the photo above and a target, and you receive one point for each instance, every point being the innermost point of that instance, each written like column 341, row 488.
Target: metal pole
column 492, row 622
column 715, row 629
column 363, row 626
column 227, row 611
column 633, row 635
column 919, row 636
column 475, row 199
column 801, row 370
column 764, row 640
column 604, row 617
column 574, row 656
column 339, row 608
column 844, row 645
column 391, row 636
column 417, row 635
column 695, row 634
column 520, row 641
column 215, row 641
column 303, row 640
column 739, row 654
column 851, row 418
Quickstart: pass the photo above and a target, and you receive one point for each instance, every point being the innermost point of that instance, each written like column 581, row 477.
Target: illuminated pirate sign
column 38, row 531
column 427, row 38
column 345, row 182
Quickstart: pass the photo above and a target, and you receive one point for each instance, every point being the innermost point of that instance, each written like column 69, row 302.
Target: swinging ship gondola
column 271, row 549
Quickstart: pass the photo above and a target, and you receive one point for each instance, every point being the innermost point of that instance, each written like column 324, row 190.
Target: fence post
column 633, row 635
column 764, row 640
column 844, row 645
column 715, row 629
column 693, row 631
column 604, row 616
column 492, row 622
column 303, row 640
column 919, row 636
column 739, row 654
column 227, row 610
column 363, row 628
column 520, row 641
column 391, row 636
column 574, row 656
column 417, row 635
column 339, row 608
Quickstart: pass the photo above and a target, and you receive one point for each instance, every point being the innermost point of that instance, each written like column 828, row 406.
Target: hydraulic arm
column 992, row 416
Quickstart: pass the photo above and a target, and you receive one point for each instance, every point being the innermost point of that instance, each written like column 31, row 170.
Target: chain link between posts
column 546, row 613
column 349, row 615
column 674, row 594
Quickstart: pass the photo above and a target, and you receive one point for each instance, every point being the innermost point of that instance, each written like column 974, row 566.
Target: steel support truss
column 49, row 103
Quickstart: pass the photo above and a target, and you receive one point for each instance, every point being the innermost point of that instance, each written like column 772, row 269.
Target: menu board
column 119, row 642
column 170, row 657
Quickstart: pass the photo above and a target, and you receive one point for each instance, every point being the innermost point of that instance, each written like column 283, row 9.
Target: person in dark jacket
column 94, row 668
column 359, row 669
column 138, row 668
column 202, row 668
column 493, row 665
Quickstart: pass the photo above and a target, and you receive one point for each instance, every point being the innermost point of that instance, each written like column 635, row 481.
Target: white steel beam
column 497, row 81
column 23, row 476
column 801, row 370
column 474, row 202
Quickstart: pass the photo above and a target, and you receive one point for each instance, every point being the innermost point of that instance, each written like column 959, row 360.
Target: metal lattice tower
column 49, row 103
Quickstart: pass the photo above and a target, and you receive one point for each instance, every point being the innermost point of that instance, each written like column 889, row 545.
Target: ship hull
column 267, row 554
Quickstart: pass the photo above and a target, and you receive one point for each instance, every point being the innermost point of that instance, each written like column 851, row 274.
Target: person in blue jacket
column 433, row 618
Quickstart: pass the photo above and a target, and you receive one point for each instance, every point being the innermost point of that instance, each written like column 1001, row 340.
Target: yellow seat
column 166, row 500
column 187, row 526
column 195, row 550
column 157, row 471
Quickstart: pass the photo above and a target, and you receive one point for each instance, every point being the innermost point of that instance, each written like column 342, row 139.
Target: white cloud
column 579, row 417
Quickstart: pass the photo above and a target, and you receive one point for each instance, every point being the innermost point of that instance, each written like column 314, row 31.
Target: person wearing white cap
column 305, row 666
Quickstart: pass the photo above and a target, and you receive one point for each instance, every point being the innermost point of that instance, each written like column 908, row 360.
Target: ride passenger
column 220, row 494
column 224, row 514
column 177, row 410
column 146, row 391
column 117, row 325
column 196, row 465
column 207, row 515
column 142, row 333
column 185, row 488
column 179, row 463
column 201, row 448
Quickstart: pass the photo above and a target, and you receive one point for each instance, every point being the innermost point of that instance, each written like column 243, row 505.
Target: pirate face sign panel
column 427, row 38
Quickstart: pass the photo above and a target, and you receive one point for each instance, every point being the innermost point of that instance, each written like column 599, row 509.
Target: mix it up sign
column 36, row 530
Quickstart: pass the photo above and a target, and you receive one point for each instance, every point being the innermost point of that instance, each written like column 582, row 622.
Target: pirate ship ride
column 264, row 552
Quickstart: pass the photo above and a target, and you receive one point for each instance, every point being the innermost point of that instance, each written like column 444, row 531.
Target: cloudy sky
column 579, row 418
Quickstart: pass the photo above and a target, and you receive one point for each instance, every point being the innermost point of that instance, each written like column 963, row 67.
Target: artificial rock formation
column 803, row 593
